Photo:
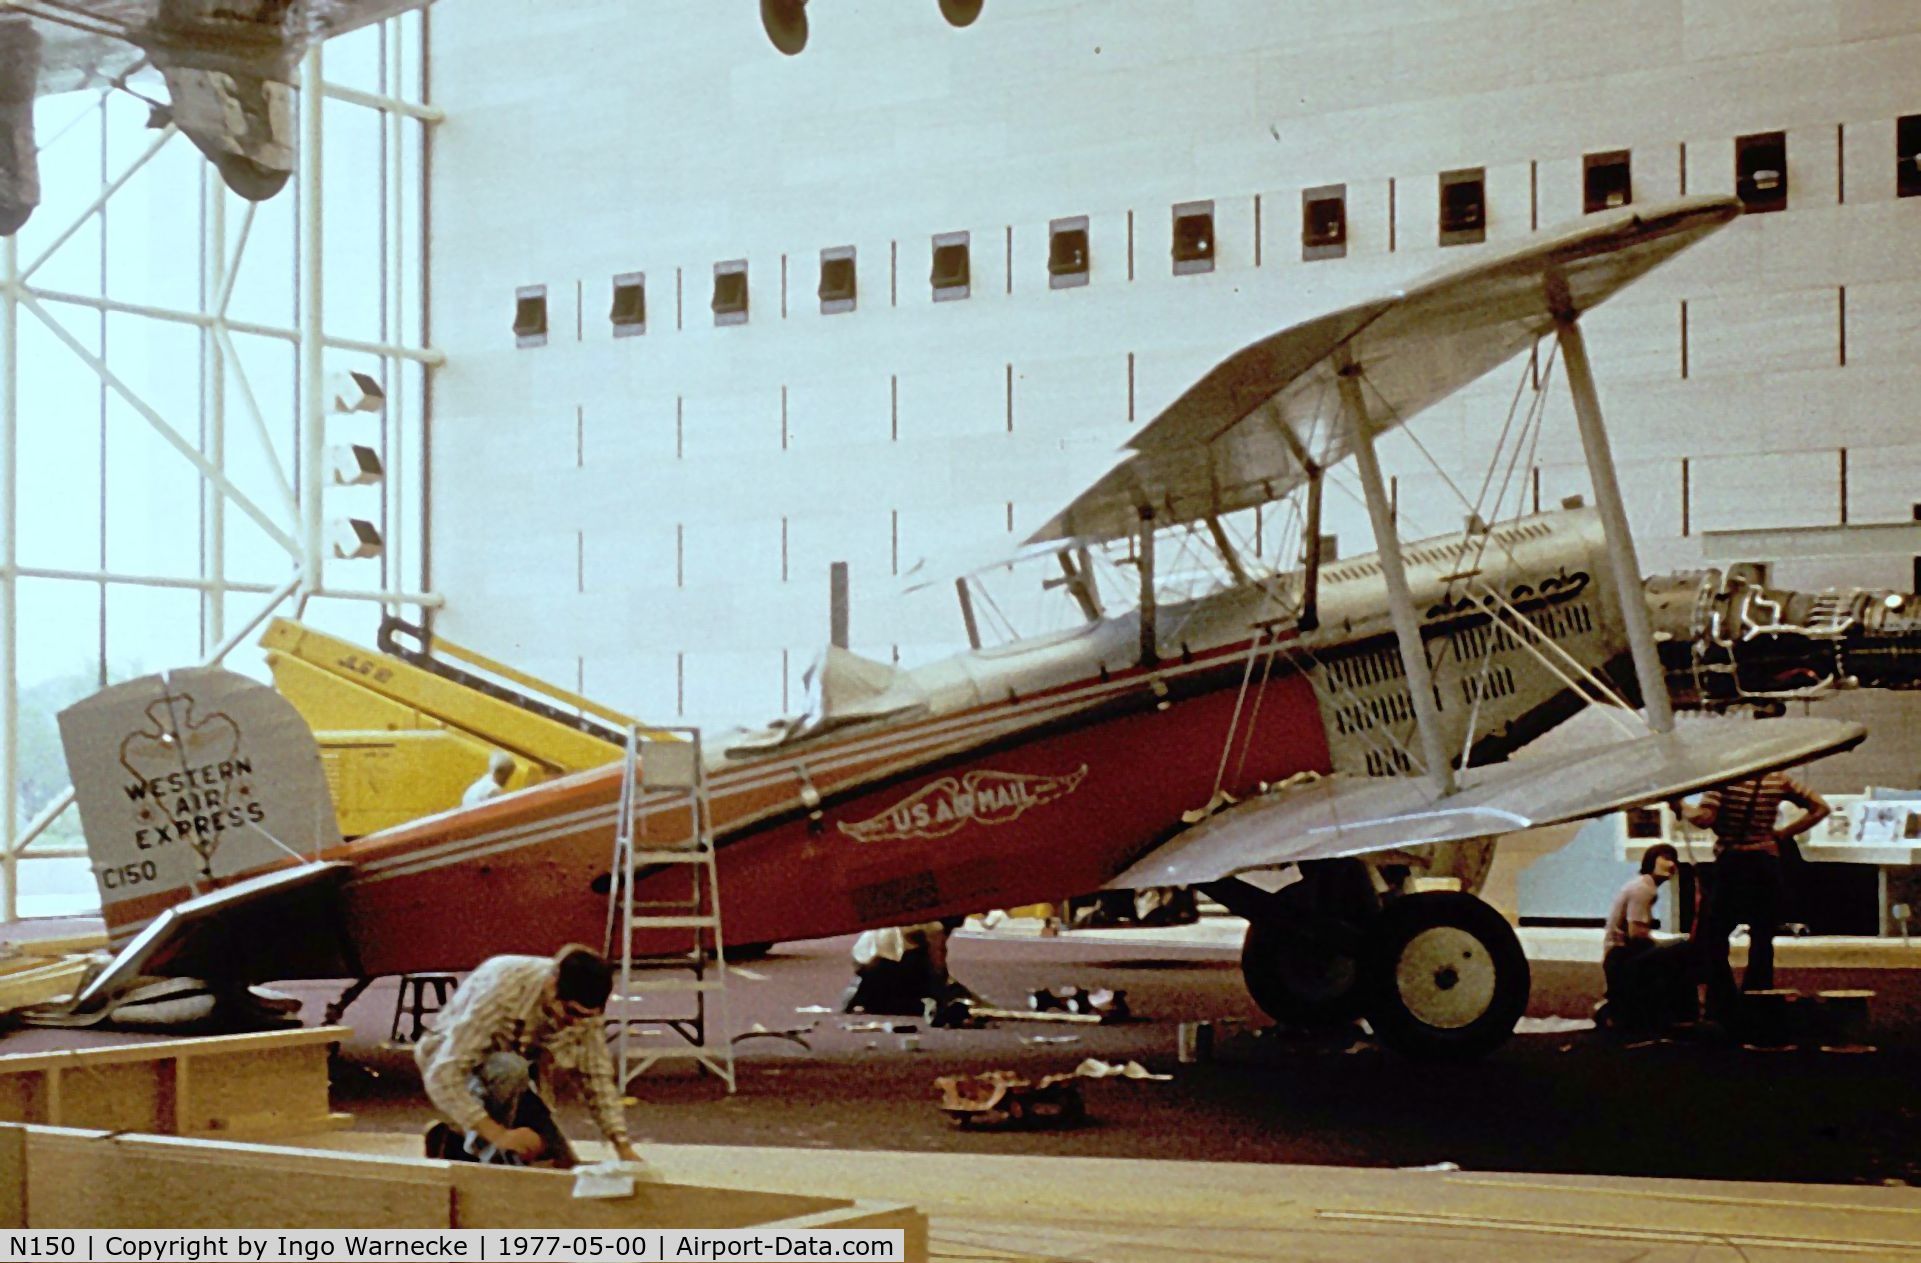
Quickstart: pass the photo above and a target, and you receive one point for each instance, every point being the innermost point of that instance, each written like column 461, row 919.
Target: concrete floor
column 1582, row 1102
column 1569, row 1145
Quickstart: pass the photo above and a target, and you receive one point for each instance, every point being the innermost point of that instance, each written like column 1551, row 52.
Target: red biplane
column 1306, row 745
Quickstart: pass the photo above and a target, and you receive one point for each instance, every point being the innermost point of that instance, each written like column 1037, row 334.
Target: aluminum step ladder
column 664, row 820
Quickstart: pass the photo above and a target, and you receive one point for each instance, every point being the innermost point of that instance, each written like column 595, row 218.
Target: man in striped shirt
column 1747, row 883
column 513, row 1018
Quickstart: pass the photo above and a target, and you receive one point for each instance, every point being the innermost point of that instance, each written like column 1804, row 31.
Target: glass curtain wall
column 170, row 314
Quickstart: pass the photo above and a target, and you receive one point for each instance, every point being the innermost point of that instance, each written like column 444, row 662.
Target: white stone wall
column 653, row 516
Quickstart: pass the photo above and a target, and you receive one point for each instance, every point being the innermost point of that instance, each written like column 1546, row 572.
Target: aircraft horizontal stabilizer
column 284, row 924
column 1344, row 815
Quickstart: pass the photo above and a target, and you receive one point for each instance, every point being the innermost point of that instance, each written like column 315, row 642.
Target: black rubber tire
column 1296, row 984
column 1450, row 995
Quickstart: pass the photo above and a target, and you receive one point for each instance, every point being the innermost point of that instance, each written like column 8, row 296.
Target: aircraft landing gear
column 1302, row 955
column 1439, row 975
column 1444, row 977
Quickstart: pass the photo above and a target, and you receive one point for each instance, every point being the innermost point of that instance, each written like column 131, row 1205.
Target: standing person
column 492, row 782
column 1649, row 982
column 1747, row 874
column 512, row 1018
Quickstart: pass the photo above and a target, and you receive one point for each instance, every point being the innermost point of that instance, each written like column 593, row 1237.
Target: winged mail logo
column 943, row 806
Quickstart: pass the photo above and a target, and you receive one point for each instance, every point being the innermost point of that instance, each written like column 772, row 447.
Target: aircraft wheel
column 1444, row 977
column 1298, row 980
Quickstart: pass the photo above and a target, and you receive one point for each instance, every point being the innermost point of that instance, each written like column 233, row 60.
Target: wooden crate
column 270, row 1084
column 56, row 1177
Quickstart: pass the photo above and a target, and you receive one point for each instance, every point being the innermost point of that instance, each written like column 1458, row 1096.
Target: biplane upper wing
column 1342, row 815
column 93, row 43
column 1256, row 426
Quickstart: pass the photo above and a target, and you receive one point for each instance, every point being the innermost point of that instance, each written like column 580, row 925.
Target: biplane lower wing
column 1346, row 816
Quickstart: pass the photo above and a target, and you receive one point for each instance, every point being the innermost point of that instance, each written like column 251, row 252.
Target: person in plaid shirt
column 513, row 1018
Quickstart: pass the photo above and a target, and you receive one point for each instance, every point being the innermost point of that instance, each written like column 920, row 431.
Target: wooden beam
column 13, row 1176
column 89, row 1179
column 260, row 1085
column 54, row 1177
column 506, row 1197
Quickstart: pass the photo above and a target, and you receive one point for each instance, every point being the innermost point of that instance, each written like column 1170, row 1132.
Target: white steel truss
column 290, row 510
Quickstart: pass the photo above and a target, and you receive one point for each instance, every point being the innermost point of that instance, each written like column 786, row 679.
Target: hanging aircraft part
column 960, row 12
column 228, row 67
column 242, row 123
column 785, row 22
column 19, row 161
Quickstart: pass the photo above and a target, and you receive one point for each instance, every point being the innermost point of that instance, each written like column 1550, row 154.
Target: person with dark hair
column 1649, row 982
column 1747, row 883
column 903, row 971
column 514, row 1018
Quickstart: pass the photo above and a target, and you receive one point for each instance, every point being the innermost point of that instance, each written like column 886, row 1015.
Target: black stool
column 411, row 1001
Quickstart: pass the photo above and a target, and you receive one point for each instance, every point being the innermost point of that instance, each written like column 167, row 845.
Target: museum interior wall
column 648, row 509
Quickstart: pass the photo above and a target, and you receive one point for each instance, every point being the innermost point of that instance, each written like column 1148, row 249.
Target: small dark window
column 1761, row 171
column 838, row 283
column 1193, row 238
column 1067, row 252
column 530, row 315
column 629, row 313
column 1907, row 156
column 1606, row 181
column 1463, row 207
column 1324, row 222
column 952, row 271
column 730, row 292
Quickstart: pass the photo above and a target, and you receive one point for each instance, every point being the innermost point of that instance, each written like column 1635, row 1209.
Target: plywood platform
column 57, row 1177
column 1021, row 1208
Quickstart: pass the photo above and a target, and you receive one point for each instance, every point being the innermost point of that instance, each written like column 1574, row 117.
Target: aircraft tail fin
column 188, row 781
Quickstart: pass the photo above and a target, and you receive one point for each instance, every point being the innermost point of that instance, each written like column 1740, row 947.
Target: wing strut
column 1311, row 564
column 1607, row 501
column 1407, row 623
column 967, row 612
column 1150, row 615
column 1225, row 547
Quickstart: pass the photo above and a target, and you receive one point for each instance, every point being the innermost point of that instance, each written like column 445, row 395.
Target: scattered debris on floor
column 1552, row 1025
column 1094, row 1068
column 1108, row 1004
column 792, row 1034
column 1436, row 1166
column 1007, row 1099
column 41, row 971
column 1004, row 1100
column 879, row 1026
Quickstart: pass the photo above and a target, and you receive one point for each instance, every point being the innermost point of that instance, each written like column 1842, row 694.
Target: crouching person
column 1650, row 983
column 903, row 971
column 512, row 1022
